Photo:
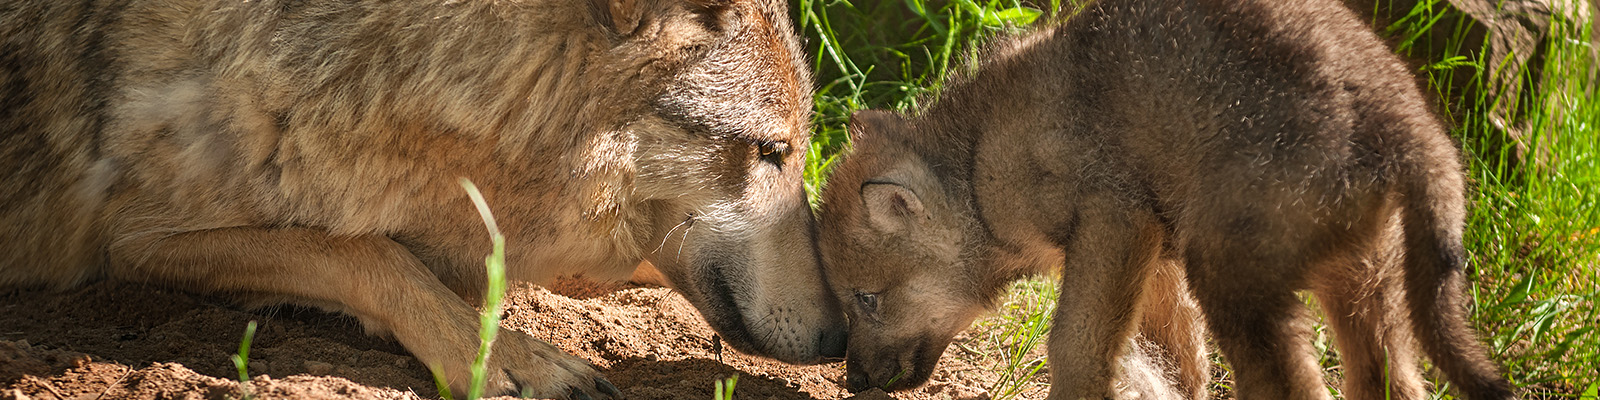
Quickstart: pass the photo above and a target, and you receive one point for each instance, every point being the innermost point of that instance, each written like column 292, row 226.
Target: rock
column 16, row 394
column 318, row 368
column 871, row 394
column 258, row 366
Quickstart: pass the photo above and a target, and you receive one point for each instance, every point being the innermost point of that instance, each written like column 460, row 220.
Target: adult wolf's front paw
column 523, row 365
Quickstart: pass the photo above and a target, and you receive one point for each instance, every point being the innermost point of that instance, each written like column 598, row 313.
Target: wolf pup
column 1264, row 146
column 309, row 152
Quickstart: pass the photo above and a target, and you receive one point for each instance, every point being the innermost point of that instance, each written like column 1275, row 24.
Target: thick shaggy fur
column 311, row 151
column 1260, row 146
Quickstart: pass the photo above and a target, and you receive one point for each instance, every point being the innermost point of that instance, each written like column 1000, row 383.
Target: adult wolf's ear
column 872, row 124
column 623, row 17
column 891, row 208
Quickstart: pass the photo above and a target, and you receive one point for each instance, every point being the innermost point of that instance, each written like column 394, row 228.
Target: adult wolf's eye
column 773, row 152
column 869, row 301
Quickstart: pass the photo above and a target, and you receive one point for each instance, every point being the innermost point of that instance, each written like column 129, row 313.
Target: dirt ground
column 113, row 340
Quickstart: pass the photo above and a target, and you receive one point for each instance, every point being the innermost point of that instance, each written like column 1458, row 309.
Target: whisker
column 669, row 234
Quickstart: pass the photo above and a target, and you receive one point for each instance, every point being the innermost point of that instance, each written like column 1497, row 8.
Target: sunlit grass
column 1534, row 231
column 241, row 361
column 1015, row 336
column 494, row 296
column 888, row 55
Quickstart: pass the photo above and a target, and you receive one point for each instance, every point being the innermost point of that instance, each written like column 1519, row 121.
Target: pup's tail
column 1431, row 188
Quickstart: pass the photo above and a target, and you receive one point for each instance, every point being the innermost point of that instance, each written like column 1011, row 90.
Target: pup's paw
column 522, row 365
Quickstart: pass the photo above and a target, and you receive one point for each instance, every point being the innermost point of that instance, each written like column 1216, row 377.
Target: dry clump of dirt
column 115, row 340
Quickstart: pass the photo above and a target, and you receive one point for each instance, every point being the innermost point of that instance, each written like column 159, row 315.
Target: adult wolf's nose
column 833, row 342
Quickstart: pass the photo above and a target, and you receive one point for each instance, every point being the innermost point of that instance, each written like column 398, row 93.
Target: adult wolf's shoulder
column 49, row 154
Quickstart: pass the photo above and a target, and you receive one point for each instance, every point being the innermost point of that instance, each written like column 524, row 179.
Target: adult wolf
column 309, row 152
column 1265, row 146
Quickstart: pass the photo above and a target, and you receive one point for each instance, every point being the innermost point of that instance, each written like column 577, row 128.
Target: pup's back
column 1205, row 92
column 1290, row 100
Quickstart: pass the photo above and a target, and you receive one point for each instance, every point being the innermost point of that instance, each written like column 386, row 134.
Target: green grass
column 241, row 361
column 1533, row 233
column 886, row 54
column 1016, row 334
column 723, row 389
column 489, row 318
column 494, row 296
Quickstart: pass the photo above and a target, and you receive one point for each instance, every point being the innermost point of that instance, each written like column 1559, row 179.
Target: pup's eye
column 772, row 152
column 869, row 301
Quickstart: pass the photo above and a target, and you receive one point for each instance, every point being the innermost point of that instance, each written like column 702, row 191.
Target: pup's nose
column 833, row 342
column 855, row 377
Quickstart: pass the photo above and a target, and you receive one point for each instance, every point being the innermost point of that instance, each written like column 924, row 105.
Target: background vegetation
column 1534, row 229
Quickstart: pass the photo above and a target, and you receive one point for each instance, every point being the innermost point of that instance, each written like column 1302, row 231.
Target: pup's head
column 719, row 159
column 897, row 245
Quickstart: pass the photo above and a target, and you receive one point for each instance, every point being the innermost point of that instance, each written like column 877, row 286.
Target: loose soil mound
column 113, row 340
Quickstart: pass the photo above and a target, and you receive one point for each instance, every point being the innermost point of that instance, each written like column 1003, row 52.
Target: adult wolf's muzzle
column 762, row 292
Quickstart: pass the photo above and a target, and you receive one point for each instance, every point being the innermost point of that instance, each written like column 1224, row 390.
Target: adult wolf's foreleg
column 369, row 276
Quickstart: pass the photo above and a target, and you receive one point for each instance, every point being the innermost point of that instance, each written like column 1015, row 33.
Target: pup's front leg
column 1107, row 256
column 369, row 276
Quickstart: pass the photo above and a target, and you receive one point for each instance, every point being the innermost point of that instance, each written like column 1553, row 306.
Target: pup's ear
column 872, row 124
column 623, row 17
column 891, row 208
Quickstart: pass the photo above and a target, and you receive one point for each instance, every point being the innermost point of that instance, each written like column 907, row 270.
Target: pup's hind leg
column 1172, row 322
column 1248, row 296
column 371, row 277
column 1364, row 301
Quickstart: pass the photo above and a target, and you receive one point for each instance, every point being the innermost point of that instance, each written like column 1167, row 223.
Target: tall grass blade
column 489, row 319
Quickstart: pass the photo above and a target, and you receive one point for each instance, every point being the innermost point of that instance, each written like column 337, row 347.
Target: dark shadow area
column 137, row 325
column 693, row 379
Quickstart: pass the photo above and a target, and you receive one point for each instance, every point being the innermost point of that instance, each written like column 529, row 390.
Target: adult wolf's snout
column 758, row 284
column 780, row 319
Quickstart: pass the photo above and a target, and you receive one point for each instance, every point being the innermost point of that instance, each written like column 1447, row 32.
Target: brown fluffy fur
column 310, row 151
column 1261, row 146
